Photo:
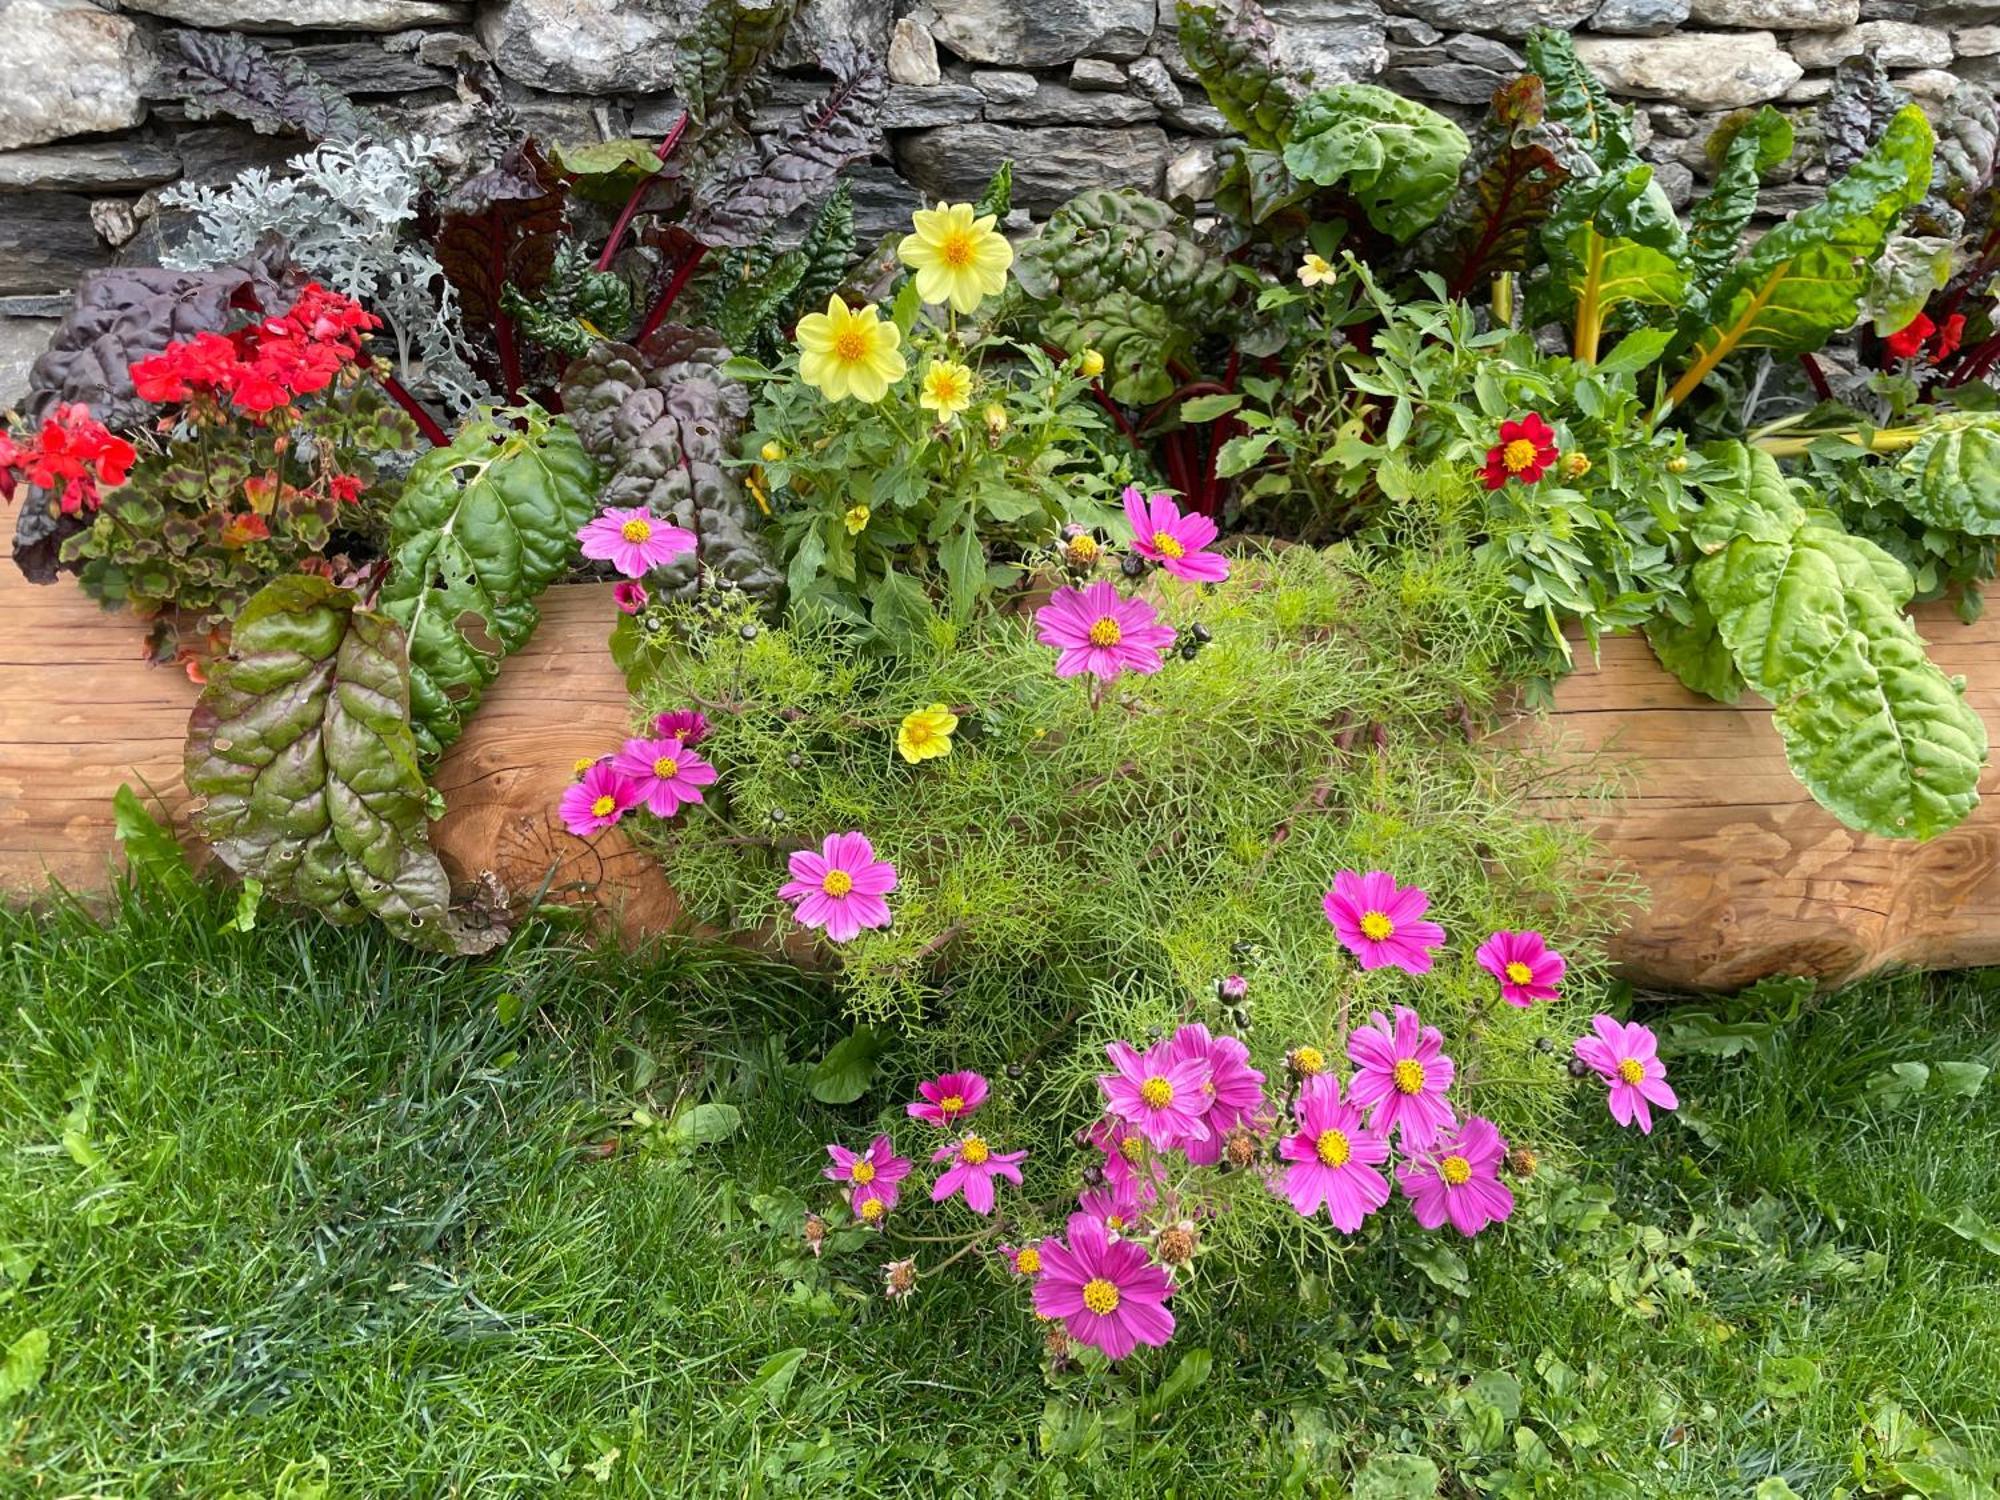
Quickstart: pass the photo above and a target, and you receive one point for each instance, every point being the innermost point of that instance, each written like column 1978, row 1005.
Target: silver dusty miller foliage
column 344, row 213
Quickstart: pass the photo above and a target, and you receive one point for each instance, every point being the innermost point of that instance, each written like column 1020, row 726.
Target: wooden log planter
column 1749, row 877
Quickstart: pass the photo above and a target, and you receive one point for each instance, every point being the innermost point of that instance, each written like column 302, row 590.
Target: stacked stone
column 1078, row 93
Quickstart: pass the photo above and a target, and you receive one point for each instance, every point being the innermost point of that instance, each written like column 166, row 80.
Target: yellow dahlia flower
column 1316, row 270
column 958, row 259
column 947, row 389
column 926, row 733
column 843, row 353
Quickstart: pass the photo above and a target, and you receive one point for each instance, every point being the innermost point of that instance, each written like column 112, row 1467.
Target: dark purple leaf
column 225, row 73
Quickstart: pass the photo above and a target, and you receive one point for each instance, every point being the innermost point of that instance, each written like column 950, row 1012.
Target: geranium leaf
column 300, row 749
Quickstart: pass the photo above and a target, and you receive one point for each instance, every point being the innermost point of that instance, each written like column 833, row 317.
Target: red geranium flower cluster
column 1526, row 449
column 263, row 366
column 70, row 456
column 1910, row 340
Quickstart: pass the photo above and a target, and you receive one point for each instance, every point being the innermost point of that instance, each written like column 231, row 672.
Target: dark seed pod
column 1578, row 1068
column 776, row 815
column 1241, row 948
column 1200, row 632
column 1093, row 1176
column 1015, row 1070
column 795, row 760
column 1132, row 565
column 747, row 632
column 1544, row 1044
column 1190, row 650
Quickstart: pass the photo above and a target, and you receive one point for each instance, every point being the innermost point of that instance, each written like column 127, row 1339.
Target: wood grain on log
column 1749, row 876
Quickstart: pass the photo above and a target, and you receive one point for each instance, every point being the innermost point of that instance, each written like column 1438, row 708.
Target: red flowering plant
column 262, row 459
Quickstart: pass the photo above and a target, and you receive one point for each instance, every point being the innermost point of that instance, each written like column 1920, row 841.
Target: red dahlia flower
column 1524, row 452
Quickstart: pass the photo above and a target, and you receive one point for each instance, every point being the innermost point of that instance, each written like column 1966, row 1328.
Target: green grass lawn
column 301, row 1213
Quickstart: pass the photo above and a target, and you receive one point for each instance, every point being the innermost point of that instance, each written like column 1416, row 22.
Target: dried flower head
column 899, row 1279
column 1176, row 1244
column 815, row 1234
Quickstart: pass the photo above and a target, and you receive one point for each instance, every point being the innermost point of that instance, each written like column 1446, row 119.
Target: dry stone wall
column 1078, row 93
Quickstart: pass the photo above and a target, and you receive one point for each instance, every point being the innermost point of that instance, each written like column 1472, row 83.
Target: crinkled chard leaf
column 1751, row 147
column 750, row 192
column 1398, row 159
column 501, row 228
column 300, row 747
column 225, row 73
column 483, row 526
column 662, row 421
column 1813, row 619
column 722, row 51
column 1519, row 161
column 1954, row 474
column 1233, row 51
column 1854, row 115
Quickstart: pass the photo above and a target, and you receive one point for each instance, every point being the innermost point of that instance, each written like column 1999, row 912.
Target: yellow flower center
column 1027, row 1260
column 919, row 734
column 1520, row 973
column 1082, row 549
column 1332, row 1148
column 1376, row 927
column 1310, row 1061
column 957, row 250
column 1455, row 1170
column 1631, row 1069
column 1409, row 1076
column 945, row 387
column 951, row 1104
column 1168, row 545
column 871, row 1209
column 973, row 1151
column 583, row 765
column 1518, row 455
column 856, row 519
column 1106, row 632
column 1157, row 1093
column 850, row 345
column 666, row 768
column 636, row 530
column 604, row 806
column 1100, row 1296
column 863, row 1172
column 1131, row 1148
column 1114, row 1221
column 837, row 883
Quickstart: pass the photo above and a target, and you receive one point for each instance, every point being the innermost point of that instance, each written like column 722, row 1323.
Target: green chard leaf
column 300, row 749
column 1813, row 619
column 722, row 51
column 1398, row 159
column 1954, row 474
column 483, row 526
column 1233, row 51
column 1744, row 151
column 1803, row 282
column 1694, row 651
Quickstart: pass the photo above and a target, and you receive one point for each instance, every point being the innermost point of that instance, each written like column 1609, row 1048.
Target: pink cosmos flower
column 974, row 1165
column 667, row 773
column 1459, row 1180
column 1125, row 1160
column 1161, row 534
column 601, row 798
column 948, row 1098
column 634, row 540
column 1628, row 1057
column 1400, row 1078
column 1235, row 1090
column 1165, row 1096
column 1116, row 1208
column 841, row 887
column 1106, row 1291
column 871, row 1173
column 871, row 1204
column 1377, row 921
column 689, row 726
column 1527, row 970
column 630, row 595
column 1097, row 630
column 1333, row 1158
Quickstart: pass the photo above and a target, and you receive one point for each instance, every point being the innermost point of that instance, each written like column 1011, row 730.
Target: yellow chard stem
column 1884, row 440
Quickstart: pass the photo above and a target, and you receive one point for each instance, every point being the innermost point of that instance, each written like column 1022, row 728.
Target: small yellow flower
column 947, row 389
column 856, row 519
column 994, row 415
column 926, row 733
column 1315, row 270
column 849, row 353
column 771, row 453
column 1090, row 364
column 959, row 259
column 582, row 765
